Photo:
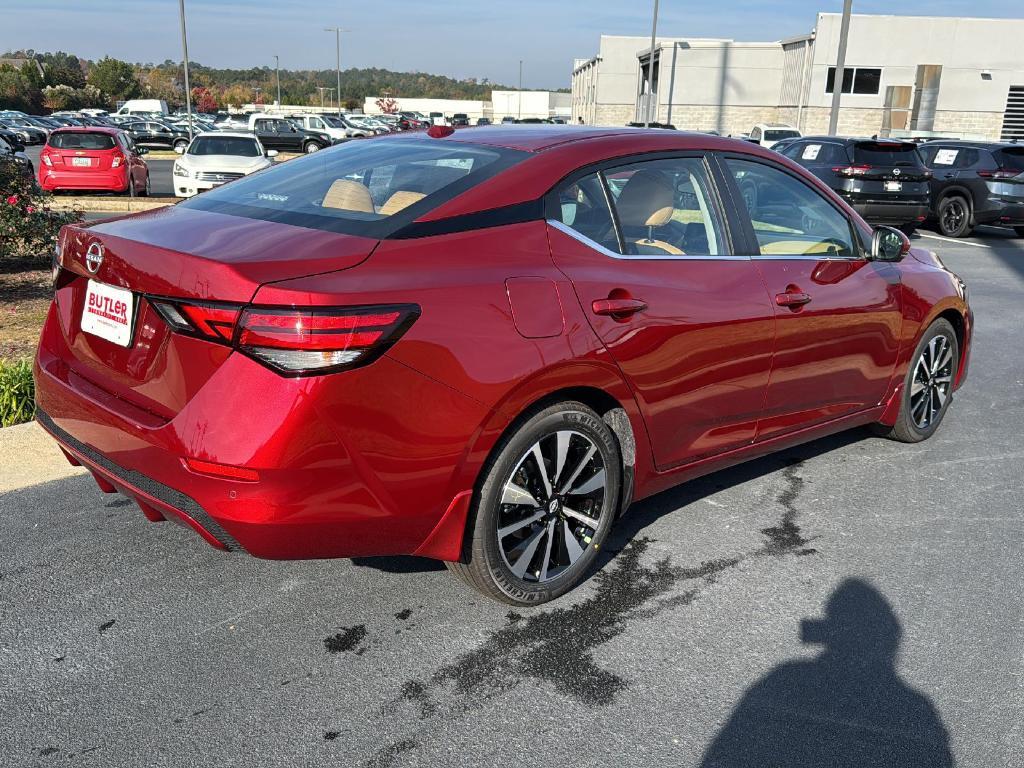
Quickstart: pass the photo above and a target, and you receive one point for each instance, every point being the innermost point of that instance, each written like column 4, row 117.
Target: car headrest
column 348, row 195
column 399, row 200
column 647, row 200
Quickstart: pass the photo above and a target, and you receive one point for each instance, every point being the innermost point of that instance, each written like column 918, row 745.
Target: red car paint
column 384, row 458
column 109, row 169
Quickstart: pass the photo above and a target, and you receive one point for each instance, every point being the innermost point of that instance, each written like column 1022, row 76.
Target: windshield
column 81, row 140
column 225, row 145
column 774, row 135
column 332, row 121
column 356, row 187
column 882, row 153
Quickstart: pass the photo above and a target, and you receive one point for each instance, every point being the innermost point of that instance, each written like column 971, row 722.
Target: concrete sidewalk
column 29, row 456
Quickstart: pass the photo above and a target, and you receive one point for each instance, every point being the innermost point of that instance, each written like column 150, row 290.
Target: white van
column 143, row 107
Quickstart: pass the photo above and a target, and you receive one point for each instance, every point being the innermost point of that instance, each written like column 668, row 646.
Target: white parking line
column 954, row 240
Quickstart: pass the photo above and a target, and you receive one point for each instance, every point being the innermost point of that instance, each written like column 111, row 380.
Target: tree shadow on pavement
column 846, row 708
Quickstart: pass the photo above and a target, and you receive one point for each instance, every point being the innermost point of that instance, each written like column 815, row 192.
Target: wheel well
column 957, row 321
column 963, row 194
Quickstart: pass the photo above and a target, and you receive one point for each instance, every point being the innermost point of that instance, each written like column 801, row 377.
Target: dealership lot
column 127, row 643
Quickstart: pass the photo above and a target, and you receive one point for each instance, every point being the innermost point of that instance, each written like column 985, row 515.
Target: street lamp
column 837, row 81
column 321, row 89
column 257, row 89
column 184, row 51
column 277, row 71
column 650, row 65
column 337, row 62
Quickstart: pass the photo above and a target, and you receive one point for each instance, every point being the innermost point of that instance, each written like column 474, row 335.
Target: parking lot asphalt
column 160, row 182
column 807, row 609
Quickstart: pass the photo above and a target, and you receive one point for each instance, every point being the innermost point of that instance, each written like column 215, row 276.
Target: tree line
column 70, row 82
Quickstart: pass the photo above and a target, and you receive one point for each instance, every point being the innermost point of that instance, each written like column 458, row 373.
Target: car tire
column 145, row 189
column 518, row 531
column 183, row 144
column 1019, row 231
column 310, row 147
column 929, row 378
column 131, row 186
column 908, row 229
column 954, row 216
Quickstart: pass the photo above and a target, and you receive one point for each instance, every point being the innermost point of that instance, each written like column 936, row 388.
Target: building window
column 867, row 80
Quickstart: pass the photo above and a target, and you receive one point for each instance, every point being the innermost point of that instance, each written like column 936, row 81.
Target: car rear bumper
column 335, row 476
column 890, row 212
column 1003, row 212
column 107, row 181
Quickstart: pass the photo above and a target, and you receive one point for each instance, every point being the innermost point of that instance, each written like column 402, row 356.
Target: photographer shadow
column 846, row 708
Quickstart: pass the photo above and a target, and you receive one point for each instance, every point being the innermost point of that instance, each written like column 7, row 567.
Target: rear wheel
column 545, row 507
column 145, row 189
column 955, row 217
column 1019, row 231
column 928, row 387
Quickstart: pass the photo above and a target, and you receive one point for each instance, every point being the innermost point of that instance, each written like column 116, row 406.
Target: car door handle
column 792, row 299
column 949, row 175
column 618, row 307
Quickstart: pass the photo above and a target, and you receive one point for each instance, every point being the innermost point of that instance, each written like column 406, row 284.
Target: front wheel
column 183, row 145
column 928, row 387
column 546, row 504
column 311, row 147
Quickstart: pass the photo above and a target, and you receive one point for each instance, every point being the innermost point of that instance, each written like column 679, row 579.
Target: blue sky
column 460, row 38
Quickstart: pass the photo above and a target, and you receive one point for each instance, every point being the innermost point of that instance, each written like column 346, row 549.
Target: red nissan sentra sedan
column 483, row 347
column 93, row 158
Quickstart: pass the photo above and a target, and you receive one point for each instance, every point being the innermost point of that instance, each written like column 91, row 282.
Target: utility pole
column 519, row 96
column 337, row 60
column 184, row 52
column 650, row 66
column 277, row 71
column 837, row 82
column 321, row 89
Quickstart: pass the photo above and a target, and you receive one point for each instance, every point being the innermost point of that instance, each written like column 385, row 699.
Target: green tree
column 114, row 78
column 17, row 92
column 64, row 74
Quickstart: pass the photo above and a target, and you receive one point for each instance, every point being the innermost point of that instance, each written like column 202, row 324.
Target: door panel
column 694, row 337
column 838, row 315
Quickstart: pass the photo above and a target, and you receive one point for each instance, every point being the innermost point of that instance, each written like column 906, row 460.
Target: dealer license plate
column 108, row 313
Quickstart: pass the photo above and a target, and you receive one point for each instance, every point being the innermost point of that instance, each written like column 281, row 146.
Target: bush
column 17, row 393
column 28, row 228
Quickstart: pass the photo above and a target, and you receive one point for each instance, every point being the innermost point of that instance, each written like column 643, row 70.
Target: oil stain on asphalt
column 347, row 640
column 557, row 646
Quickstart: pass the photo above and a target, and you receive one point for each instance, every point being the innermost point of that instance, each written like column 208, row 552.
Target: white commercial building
column 904, row 75
column 517, row 104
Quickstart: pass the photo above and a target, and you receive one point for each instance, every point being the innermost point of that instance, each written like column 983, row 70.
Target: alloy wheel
column 933, row 377
column 551, row 506
column 953, row 216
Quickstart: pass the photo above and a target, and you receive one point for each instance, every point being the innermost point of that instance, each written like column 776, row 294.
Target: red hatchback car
column 483, row 347
column 93, row 158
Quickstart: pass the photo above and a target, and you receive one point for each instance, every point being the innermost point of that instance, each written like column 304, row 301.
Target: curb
column 111, row 204
column 30, row 457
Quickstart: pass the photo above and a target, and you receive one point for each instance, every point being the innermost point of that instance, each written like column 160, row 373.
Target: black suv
column 975, row 182
column 157, row 135
column 283, row 135
column 884, row 180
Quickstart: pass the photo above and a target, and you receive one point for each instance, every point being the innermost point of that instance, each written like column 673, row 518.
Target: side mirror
column 179, row 149
column 271, row 153
column 888, row 244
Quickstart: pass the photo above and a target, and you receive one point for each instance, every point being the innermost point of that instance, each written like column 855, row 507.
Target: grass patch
column 17, row 393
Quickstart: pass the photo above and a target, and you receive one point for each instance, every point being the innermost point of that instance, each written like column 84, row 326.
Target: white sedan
column 217, row 157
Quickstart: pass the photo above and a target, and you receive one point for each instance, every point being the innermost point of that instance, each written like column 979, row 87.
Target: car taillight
column 851, row 171
column 46, row 160
column 116, row 162
column 1000, row 174
column 295, row 342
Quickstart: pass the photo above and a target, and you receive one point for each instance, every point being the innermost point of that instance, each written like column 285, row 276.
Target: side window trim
column 718, row 206
column 747, row 226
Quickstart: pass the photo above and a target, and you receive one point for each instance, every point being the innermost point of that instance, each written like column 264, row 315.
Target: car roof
column 542, row 136
column 88, row 129
column 979, row 144
column 219, row 134
column 850, row 139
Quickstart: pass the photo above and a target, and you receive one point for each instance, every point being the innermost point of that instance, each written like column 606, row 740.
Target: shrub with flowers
column 28, row 228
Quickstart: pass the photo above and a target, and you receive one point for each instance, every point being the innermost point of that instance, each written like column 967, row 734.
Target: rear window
column 81, row 140
column 225, row 145
column 368, row 188
column 885, row 153
column 774, row 135
column 1011, row 158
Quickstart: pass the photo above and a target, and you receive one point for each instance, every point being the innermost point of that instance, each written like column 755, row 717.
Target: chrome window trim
column 804, row 257
column 562, row 227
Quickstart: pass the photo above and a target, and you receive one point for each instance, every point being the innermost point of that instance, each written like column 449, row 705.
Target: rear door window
column 359, row 187
column 583, row 207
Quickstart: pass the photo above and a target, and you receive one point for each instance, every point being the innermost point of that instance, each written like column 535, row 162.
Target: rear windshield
column 1011, row 158
column 81, row 140
column 773, row 135
column 225, row 145
column 368, row 188
column 885, row 153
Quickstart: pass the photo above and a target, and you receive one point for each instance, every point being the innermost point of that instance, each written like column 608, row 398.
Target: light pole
column 837, row 82
column 321, row 89
column 337, row 61
column 519, row 95
column 184, row 52
column 650, row 66
column 257, row 89
column 277, row 71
